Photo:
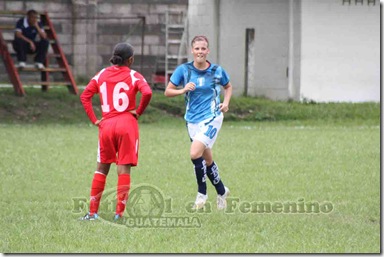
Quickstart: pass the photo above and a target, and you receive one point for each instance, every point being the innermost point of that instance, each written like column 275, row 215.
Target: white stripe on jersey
column 134, row 79
column 96, row 77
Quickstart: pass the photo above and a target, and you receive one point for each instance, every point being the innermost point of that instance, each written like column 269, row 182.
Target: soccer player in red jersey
column 117, row 86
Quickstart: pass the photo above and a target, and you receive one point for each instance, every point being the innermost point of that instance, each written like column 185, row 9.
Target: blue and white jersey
column 203, row 102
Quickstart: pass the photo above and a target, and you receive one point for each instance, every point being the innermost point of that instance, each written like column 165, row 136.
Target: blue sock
column 213, row 175
column 200, row 171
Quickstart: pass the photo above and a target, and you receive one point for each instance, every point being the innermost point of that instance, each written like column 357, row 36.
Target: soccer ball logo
column 145, row 201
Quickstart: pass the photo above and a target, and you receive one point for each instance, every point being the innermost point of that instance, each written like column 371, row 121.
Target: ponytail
column 116, row 59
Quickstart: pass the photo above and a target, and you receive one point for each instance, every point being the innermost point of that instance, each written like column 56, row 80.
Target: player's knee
column 195, row 154
column 44, row 44
column 197, row 149
column 208, row 162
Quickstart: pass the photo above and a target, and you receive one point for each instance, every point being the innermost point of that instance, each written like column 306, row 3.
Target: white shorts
column 206, row 131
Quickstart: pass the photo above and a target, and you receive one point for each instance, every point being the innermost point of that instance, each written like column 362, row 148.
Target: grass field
column 45, row 167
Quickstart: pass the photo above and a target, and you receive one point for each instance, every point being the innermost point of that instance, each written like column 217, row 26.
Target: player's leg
column 21, row 48
column 98, row 185
column 211, row 132
column 127, row 136
column 106, row 155
column 123, row 186
column 97, row 189
column 41, row 50
column 214, row 177
column 196, row 155
column 213, row 172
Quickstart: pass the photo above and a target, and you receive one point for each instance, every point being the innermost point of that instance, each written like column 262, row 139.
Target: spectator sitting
column 25, row 42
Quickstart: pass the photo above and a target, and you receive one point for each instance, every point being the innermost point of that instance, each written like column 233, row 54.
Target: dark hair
column 32, row 12
column 121, row 52
column 199, row 38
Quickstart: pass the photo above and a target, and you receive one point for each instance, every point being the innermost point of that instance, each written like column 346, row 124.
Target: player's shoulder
column 185, row 66
column 20, row 22
column 136, row 74
column 137, row 77
column 98, row 74
column 214, row 66
column 217, row 68
column 183, row 69
column 188, row 65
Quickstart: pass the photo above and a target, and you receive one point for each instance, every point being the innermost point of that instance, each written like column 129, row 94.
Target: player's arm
column 86, row 100
column 40, row 30
column 19, row 31
column 146, row 95
column 224, row 106
column 20, row 35
column 176, row 79
column 172, row 90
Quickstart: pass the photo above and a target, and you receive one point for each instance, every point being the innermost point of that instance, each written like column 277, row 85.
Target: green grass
column 59, row 107
column 43, row 167
column 268, row 152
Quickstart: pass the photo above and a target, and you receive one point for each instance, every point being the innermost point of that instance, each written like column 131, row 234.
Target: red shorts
column 119, row 140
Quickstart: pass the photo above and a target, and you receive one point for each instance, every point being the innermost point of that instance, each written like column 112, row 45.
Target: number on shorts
column 211, row 132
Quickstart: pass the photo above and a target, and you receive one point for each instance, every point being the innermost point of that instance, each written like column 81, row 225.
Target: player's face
column 200, row 51
column 32, row 19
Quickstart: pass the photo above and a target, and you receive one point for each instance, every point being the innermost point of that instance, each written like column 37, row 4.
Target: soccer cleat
column 119, row 219
column 201, row 199
column 39, row 65
column 90, row 217
column 21, row 65
column 222, row 200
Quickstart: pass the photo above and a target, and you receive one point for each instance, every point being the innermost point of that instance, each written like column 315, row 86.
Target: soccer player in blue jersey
column 200, row 81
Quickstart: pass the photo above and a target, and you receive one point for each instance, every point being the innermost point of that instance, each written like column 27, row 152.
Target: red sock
column 123, row 185
column 97, row 188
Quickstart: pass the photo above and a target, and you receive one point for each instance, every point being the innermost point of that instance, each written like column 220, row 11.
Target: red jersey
column 117, row 87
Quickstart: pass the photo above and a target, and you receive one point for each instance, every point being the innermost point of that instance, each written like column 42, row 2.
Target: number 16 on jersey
column 120, row 100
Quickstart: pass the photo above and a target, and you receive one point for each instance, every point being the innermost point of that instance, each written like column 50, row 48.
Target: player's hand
column 98, row 122
column 135, row 114
column 190, row 86
column 223, row 107
column 32, row 45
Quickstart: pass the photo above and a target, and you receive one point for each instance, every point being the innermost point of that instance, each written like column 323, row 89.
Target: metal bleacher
column 59, row 64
